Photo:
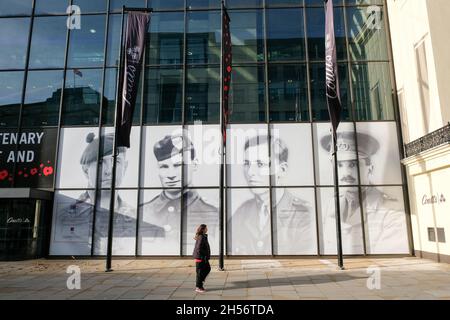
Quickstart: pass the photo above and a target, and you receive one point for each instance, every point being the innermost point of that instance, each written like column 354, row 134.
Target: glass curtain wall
column 279, row 174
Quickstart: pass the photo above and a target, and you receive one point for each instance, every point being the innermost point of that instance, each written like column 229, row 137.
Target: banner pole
column 222, row 157
column 337, row 205
column 113, row 179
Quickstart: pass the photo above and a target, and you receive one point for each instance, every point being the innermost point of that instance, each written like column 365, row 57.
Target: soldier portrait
column 75, row 219
column 164, row 211
column 251, row 223
column 383, row 214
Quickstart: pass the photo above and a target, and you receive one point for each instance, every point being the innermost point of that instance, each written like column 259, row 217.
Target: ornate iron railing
column 431, row 140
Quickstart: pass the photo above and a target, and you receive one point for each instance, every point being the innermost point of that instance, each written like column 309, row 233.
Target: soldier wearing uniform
column 164, row 211
column 250, row 224
column 384, row 217
column 76, row 220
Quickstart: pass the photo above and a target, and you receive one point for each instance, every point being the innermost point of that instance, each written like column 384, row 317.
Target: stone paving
column 286, row 279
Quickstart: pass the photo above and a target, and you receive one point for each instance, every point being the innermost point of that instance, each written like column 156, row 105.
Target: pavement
column 365, row 278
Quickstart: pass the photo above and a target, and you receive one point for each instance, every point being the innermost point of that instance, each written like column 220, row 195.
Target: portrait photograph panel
column 202, row 162
column 291, row 150
column 294, row 221
column 77, row 164
column 378, row 140
column 346, row 155
column 202, row 207
column 127, row 165
column 162, row 156
column 248, row 162
column 248, row 227
column 73, row 212
column 385, row 220
column 124, row 227
column 159, row 222
column 351, row 226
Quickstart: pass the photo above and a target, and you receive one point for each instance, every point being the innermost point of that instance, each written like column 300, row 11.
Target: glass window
column 366, row 33
column 51, row 6
column 42, row 98
column 315, row 24
column 247, row 95
column 285, row 34
column 13, row 42
column 91, row 6
column 116, row 5
column 202, row 95
column 230, row 4
column 203, row 37
column 318, row 94
column 166, row 38
column 114, row 29
column 164, row 4
column 15, row 7
column 247, row 36
column 82, row 96
column 109, row 98
column 10, row 97
column 372, row 91
column 163, row 100
column 275, row 3
column 288, row 93
column 202, row 4
column 48, row 43
column 86, row 48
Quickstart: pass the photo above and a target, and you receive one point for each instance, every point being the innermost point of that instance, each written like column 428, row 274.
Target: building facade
column 57, row 98
column 421, row 52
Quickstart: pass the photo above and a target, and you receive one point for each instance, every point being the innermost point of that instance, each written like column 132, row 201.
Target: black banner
column 31, row 153
column 136, row 30
column 331, row 70
column 226, row 68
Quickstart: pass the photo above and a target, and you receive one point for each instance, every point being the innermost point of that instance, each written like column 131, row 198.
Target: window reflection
column 49, row 36
column 366, row 33
column 51, row 6
column 203, row 37
column 163, row 96
column 10, row 97
column 15, row 7
column 288, row 93
column 285, row 34
column 247, row 35
column 372, row 90
column 166, row 38
column 42, row 98
column 13, row 42
column 247, row 95
column 86, row 47
column 82, row 96
column 202, row 95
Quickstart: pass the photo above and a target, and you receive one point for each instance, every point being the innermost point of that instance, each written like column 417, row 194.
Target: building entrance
column 24, row 228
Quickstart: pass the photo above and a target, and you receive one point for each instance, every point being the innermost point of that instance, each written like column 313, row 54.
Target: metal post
column 337, row 206
column 113, row 181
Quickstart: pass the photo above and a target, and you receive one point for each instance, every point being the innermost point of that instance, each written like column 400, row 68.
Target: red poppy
column 33, row 171
column 48, row 171
column 3, row 174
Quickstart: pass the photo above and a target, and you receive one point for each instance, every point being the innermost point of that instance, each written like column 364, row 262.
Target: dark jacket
column 201, row 249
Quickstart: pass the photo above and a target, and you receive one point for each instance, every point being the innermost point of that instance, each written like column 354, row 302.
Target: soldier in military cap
column 76, row 219
column 165, row 209
column 251, row 222
column 383, row 215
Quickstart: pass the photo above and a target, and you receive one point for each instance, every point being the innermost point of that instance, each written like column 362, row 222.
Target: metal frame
column 185, row 66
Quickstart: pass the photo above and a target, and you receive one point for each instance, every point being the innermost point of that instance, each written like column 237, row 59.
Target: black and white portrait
column 162, row 209
column 249, row 226
column 382, row 213
column 81, row 204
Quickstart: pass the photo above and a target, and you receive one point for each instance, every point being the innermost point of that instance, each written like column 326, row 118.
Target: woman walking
column 201, row 254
